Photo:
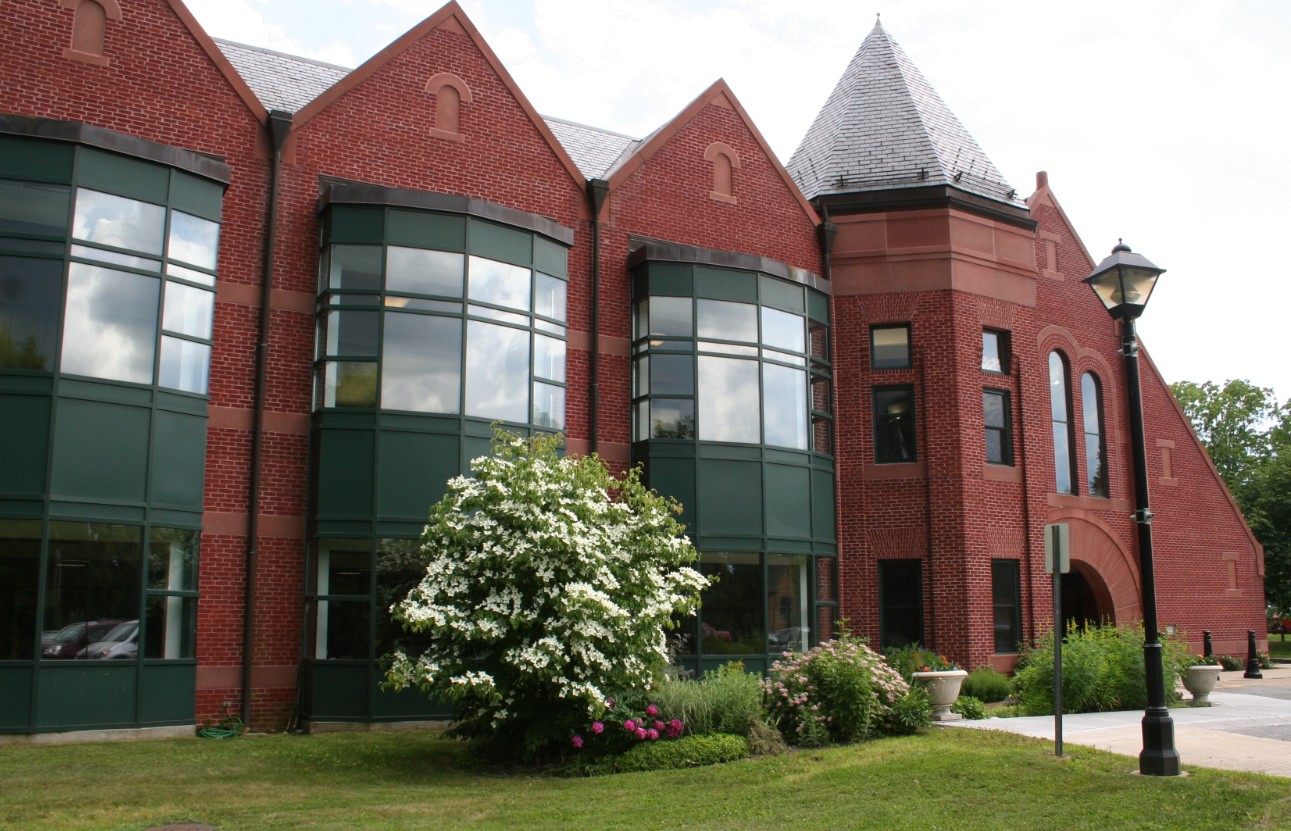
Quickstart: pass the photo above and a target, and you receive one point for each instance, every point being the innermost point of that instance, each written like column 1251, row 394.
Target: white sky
column 1161, row 121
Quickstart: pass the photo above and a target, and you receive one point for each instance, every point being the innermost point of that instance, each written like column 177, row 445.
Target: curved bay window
column 732, row 403
column 109, row 247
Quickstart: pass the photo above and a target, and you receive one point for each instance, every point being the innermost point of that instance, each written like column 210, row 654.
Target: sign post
column 1057, row 561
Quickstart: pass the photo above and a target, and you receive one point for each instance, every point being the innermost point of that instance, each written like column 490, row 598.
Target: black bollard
column 1207, row 649
column 1252, row 660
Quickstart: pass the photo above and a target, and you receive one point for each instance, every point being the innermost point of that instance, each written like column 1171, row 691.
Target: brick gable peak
column 219, row 59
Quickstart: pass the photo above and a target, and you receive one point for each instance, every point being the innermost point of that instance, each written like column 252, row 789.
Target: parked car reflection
column 122, row 641
column 74, row 637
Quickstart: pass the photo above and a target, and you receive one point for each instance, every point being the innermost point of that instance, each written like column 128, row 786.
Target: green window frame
column 1006, row 600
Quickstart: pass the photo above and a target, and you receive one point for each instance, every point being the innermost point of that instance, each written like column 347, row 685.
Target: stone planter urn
column 1200, row 680
column 943, row 689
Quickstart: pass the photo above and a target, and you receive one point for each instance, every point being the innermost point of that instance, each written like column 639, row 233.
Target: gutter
column 279, row 125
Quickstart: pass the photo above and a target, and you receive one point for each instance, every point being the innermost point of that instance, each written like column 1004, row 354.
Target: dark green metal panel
column 730, row 451
column 178, row 460
column 200, row 197
column 413, row 470
column 123, row 176
column 550, row 257
column 87, row 694
column 101, row 451
column 35, row 161
column 407, row 704
column 15, row 697
column 822, row 506
column 788, row 501
column 419, row 229
column 167, row 694
column 96, row 511
column 346, row 463
column 781, row 295
column 498, row 242
column 472, row 448
column 24, row 420
column 100, row 391
column 675, row 478
column 725, row 284
column 729, row 497
column 337, row 691
column 355, row 224
column 818, row 306
column 666, row 280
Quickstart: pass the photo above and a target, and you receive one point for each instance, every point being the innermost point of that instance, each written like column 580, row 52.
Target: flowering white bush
column 549, row 583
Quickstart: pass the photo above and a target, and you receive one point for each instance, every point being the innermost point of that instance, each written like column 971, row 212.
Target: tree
column 548, row 585
column 1248, row 435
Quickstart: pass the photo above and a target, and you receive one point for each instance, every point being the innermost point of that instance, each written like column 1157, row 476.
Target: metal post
column 1057, row 655
column 1252, row 657
column 1206, row 648
column 1159, row 757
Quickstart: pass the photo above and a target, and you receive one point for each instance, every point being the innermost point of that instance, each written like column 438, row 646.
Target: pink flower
column 598, row 727
column 676, row 724
column 652, row 710
column 577, row 741
column 653, row 734
column 658, row 725
column 629, row 725
column 641, row 733
column 609, row 702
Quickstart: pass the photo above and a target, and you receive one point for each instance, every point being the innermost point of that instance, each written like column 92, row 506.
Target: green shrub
column 912, row 712
column 987, row 684
column 912, row 658
column 970, row 707
column 686, row 752
column 1229, row 663
column 725, row 700
column 841, row 691
column 1102, row 669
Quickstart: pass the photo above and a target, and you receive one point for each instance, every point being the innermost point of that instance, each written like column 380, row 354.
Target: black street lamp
column 1123, row 283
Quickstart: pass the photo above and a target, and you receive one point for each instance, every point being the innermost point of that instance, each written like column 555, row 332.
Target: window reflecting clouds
column 107, row 219
column 110, row 324
column 421, row 363
column 193, row 240
column 728, row 393
column 497, row 372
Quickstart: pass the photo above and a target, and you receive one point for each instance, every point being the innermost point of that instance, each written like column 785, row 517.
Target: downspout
column 279, row 125
column 597, row 191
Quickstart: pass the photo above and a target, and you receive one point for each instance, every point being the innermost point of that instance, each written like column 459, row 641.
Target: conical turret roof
column 885, row 128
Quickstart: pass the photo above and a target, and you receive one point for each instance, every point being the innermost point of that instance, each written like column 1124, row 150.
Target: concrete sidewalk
column 1248, row 728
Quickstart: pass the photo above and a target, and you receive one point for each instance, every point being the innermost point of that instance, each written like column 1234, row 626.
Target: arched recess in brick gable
column 450, row 93
column 89, row 26
column 725, row 162
column 1109, row 569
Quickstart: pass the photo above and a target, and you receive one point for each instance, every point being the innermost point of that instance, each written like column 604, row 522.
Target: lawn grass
column 1279, row 648
column 946, row 779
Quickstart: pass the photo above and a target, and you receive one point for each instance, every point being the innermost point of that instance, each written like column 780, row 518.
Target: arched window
column 1064, row 460
column 1091, row 400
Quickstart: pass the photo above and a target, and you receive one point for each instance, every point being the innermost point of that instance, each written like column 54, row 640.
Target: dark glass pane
column 890, row 347
column 732, row 608
column 110, row 326
column 399, row 568
column 33, row 208
column 352, row 333
column 900, row 602
column 995, row 447
column 172, row 560
column 894, row 425
column 1095, row 465
column 350, row 384
column 993, row 409
column 170, row 624
column 343, row 629
column 92, row 585
column 787, row 581
column 421, row 363
column 1061, row 458
column 670, row 316
column 19, row 565
column 672, row 418
column 344, row 568
column 1057, row 387
column 31, row 293
column 1007, row 601
column 354, row 267
column 671, row 374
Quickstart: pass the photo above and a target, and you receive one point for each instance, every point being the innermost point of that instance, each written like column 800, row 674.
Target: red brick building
column 255, row 310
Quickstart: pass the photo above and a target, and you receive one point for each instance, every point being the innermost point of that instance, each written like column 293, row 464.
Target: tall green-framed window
column 433, row 317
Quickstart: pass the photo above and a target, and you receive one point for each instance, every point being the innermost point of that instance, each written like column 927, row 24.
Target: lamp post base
column 1159, row 758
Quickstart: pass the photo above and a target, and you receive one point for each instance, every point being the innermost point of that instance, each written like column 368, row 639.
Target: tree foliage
column 1248, row 435
column 548, row 586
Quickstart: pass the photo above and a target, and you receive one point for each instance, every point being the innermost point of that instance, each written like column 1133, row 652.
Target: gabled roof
column 281, row 81
column 884, row 127
column 594, row 150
